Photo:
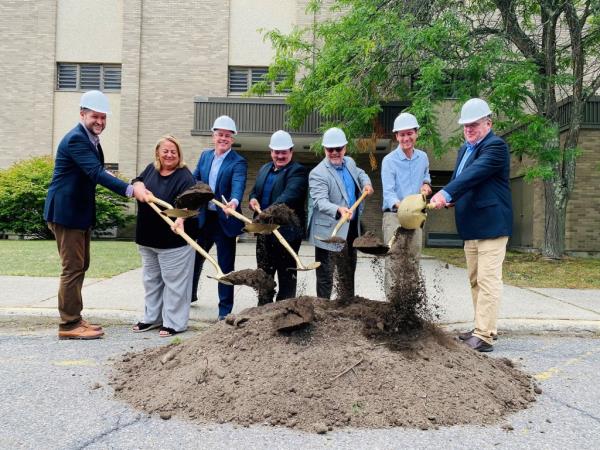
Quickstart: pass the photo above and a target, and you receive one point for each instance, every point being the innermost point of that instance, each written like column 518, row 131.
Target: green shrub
column 23, row 190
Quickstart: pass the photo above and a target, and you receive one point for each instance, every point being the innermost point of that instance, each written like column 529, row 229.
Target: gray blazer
column 328, row 193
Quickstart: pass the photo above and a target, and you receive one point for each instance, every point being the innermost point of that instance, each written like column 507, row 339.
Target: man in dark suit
column 480, row 190
column 70, row 208
column 225, row 171
column 281, row 181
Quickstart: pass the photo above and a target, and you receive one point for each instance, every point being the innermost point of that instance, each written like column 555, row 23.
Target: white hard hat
column 334, row 137
column 405, row 121
column 224, row 123
column 96, row 101
column 474, row 110
column 280, row 140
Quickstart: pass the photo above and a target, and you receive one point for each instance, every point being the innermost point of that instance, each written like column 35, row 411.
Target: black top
column 151, row 230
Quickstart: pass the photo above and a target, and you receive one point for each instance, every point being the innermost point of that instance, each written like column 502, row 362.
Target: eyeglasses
column 334, row 149
column 475, row 124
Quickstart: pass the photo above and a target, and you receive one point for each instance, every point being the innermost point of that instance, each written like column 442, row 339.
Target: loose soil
column 340, row 370
column 195, row 197
column 278, row 214
column 371, row 244
column 258, row 279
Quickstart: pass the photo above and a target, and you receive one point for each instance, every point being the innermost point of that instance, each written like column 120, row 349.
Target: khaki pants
column 389, row 226
column 484, row 266
column 74, row 251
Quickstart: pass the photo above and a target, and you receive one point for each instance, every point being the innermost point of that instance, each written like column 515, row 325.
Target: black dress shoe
column 467, row 334
column 478, row 344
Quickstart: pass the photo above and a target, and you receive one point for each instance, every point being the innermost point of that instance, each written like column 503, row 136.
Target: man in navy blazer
column 480, row 190
column 70, row 208
column 281, row 181
column 225, row 171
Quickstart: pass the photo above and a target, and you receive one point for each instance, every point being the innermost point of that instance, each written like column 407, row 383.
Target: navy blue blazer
column 71, row 199
column 290, row 187
column 481, row 192
column 231, row 183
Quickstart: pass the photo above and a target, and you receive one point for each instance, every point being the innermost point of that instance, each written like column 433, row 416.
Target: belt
column 389, row 210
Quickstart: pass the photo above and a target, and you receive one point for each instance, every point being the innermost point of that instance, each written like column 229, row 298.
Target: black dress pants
column 273, row 258
column 344, row 261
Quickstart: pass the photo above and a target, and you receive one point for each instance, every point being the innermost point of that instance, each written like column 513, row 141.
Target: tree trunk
column 555, row 218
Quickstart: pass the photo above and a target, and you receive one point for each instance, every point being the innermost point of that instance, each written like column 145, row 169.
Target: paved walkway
column 122, row 297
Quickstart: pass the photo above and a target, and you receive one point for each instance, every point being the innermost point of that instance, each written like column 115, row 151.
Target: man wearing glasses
column 334, row 185
column 480, row 190
column 225, row 171
column 281, row 181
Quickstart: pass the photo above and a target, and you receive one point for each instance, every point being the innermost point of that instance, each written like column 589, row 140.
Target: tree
column 524, row 56
column 23, row 191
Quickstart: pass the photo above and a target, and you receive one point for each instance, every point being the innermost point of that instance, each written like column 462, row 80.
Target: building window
column 84, row 77
column 242, row 78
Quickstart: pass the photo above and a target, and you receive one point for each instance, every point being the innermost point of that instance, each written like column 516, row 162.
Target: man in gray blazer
column 334, row 185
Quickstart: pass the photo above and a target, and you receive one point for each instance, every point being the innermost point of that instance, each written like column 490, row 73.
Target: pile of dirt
column 195, row 197
column 337, row 371
column 257, row 279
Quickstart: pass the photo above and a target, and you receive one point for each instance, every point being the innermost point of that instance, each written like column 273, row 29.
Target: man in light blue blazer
column 225, row 171
column 480, row 190
column 334, row 185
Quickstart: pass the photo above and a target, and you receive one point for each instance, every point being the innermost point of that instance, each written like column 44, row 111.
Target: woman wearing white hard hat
column 334, row 185
column 281, row 181
column 480, row 191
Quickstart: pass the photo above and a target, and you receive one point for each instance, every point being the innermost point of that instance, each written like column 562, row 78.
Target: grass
column 531, row 270
column 40, row 258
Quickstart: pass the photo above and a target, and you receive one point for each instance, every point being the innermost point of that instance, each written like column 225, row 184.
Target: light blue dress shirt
column 348, row 181
column 217, row 162
column 401, row 176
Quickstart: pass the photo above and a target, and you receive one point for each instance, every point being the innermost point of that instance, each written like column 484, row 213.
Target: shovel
column 172, row 212
column 333, row 239
column 220, row 277
column 250, row 227
column 376, row 250
column 299, row 265
column 412, row 211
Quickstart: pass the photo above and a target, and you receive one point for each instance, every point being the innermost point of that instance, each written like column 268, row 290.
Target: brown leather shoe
column 479, row 344
column 81, row 332
column 467, row 334
column 91, row 326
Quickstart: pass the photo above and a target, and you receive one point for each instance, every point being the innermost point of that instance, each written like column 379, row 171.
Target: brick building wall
column 27, row 73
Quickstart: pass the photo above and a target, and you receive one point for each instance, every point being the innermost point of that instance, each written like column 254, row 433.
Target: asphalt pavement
column 56, row 394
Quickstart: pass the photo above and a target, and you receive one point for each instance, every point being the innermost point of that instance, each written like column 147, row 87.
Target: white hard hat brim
column 469, row 120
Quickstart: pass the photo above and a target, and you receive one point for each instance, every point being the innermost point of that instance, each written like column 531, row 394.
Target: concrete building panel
column 247, row 46
column 27, row 72
column 89, row 31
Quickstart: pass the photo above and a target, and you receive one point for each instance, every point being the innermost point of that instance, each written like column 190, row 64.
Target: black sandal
column 140, row 327
column 168, row 332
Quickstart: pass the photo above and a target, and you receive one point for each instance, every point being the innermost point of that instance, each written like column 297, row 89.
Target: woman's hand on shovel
column 178, row 225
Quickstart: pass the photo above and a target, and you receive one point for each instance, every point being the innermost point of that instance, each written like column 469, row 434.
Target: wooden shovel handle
column 287, row 246
column 345, row 217
column 184, row 235
column 232, row 211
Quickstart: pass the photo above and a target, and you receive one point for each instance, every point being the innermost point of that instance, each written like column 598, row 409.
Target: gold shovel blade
column 412, row 212
column 177, row 213
column 260, row 228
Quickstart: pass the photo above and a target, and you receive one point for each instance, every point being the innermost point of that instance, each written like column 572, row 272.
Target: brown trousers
column 484, row 266
column 74, row 251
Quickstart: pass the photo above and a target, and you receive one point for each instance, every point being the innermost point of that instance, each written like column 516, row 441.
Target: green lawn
column 531, row 270
column 40, row 258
